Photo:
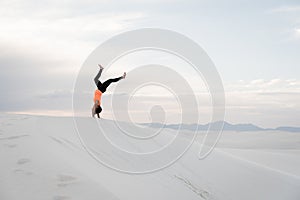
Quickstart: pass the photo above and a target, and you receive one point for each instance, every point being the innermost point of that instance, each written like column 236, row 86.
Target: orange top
column 97, row 96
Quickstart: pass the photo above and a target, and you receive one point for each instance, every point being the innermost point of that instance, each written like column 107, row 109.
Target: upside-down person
column 101, row 88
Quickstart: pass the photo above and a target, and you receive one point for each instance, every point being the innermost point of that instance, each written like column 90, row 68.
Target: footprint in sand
column 200, row 192
column 21, row 171
column 7, row 124
column 23, row 161
column 10, row 145
column 61, row 198
column 13, row 137
column 65, row 180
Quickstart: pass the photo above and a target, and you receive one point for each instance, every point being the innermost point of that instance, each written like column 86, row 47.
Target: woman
column 101, row 89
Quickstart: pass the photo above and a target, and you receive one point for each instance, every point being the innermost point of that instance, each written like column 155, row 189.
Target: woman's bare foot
column 100, row 66
column 124, row 75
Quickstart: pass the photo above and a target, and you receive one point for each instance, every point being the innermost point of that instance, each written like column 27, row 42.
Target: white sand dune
column 42, row 158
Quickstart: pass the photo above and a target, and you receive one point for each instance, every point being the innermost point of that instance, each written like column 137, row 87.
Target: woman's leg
column 96, row 79
column 108, row 82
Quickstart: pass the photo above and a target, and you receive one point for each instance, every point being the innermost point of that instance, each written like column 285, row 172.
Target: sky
column 254, row 45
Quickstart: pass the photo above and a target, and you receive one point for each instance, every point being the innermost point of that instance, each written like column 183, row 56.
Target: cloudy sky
column 255, row 46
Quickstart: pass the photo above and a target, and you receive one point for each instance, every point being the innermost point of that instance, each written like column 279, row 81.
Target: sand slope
column 42, row 158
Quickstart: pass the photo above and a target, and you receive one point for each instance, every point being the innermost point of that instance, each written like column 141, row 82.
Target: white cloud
column 259, row 85
column 268, row 103
column 281, row 9
column 54, row 94
column 297, row 33
column 64, row 36
column 62, row 31
column 291, row 14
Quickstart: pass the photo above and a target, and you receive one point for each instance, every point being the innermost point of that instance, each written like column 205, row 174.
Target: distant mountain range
column 227, row 127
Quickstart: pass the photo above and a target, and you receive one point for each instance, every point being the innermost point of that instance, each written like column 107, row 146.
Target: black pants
column 103, row 86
